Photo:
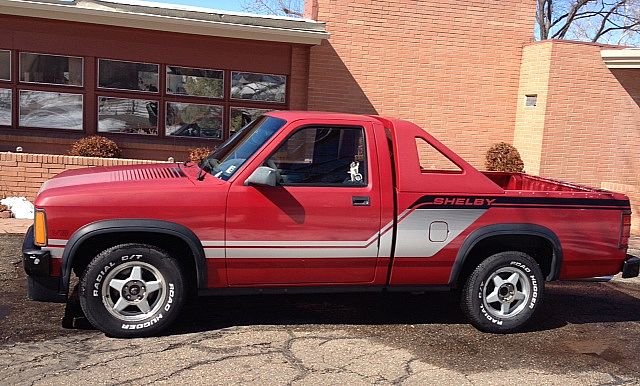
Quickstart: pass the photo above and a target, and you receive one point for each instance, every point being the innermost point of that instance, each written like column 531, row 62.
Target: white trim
column 56, row 253
column 250, row 27
column 621, row 58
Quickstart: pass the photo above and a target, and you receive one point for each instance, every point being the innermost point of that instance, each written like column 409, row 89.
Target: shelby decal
column 460, row 201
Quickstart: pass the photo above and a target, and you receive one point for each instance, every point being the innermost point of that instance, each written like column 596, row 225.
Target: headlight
column 40, row 228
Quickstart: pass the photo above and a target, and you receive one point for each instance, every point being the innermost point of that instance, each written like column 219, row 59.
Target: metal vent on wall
column 147, row 174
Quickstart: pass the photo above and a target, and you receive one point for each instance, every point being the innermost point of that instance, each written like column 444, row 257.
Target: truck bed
column 521, row 181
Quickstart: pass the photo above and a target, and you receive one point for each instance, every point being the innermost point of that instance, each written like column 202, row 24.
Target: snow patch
column 19, row 206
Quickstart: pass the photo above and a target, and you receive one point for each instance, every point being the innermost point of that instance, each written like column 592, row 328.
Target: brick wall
column 450, row 66
column 529, row 128
column 586, row 127
column 22, row 174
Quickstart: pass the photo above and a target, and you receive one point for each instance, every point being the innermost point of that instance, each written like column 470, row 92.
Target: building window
column 5, row 65
column 51, row 110
column 129, row 116
column 51, row 69
column 258, row 87
column 195, row 82
column 5, row 106
column 193, row 120
column 241, row 116
column 531, row 100
column 120, row 75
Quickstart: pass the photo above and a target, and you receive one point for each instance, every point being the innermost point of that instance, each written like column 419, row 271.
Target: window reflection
column 5, row 65
column 130, row 116
column 194, row 82
column 258, row 87
column 120, row 75
column 194, row 120
column 53, row 110
column 5, row 107
column 50, row 69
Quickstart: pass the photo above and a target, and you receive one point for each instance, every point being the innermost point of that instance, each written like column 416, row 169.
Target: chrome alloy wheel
column 133, row 291
column 506, row 293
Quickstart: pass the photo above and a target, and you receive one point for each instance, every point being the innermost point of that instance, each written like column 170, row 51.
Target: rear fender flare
column 508, row 230
column 131, row 226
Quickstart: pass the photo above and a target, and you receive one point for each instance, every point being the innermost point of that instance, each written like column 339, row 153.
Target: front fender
column 132, row 226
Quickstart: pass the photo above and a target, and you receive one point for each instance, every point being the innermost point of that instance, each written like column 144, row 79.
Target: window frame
column 82, row 75
column 21, row 126
column 286, row 88
column 166, row 78
column 10, row 66
column 365, row 178
column 11, row 110
column 166, row 110
column 126, row 90
column 98, row 96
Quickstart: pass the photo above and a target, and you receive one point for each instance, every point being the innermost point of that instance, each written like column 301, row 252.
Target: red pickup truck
column 317, row 202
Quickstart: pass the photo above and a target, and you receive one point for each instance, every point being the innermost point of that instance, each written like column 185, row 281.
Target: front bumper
column 40, row 285
column 631, row 267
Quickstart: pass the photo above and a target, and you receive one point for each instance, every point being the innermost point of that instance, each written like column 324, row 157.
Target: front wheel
column 503, row 292
column 132, row 290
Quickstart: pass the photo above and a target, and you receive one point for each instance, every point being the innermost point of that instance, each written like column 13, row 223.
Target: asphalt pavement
column 585, row 334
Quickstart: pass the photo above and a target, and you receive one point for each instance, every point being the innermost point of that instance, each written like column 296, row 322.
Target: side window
column 432, row 161
column 322, row 156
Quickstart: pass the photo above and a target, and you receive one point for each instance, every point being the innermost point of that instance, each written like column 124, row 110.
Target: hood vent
column 147, row 174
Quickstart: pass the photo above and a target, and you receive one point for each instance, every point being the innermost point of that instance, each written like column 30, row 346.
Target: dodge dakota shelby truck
column 316, row 202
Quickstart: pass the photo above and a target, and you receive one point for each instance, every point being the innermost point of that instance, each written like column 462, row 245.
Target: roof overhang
column 173, row 18
column 621, row 58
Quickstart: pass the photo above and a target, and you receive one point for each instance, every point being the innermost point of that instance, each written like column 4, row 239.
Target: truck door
column 320, row 223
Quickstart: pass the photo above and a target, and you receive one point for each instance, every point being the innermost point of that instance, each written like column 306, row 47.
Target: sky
column 228, row 5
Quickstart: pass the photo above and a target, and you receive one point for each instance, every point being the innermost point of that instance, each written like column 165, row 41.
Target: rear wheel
column 503, row 292
column 132, row 290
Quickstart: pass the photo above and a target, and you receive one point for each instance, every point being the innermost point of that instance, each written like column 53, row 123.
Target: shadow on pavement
column 570, row 302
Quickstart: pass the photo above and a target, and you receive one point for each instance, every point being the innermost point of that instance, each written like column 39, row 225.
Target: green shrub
column 95, row 146
column 504, row 157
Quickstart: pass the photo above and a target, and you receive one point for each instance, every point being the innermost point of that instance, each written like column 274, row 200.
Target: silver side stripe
column 213, row 244
column 57, row 242
column 303, row 253
column 56, row 253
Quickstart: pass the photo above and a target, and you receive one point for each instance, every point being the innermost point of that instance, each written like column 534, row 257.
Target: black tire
column 522, row 299
column 112, row 276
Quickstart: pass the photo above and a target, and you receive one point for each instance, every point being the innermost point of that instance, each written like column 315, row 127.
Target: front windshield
column 228, row 158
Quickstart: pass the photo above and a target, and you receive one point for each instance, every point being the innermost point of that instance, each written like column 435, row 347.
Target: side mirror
column 263, row 175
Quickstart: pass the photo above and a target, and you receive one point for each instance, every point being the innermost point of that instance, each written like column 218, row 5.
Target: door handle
column 360, row 201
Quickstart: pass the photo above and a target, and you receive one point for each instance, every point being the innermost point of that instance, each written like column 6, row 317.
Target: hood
column 112, row 177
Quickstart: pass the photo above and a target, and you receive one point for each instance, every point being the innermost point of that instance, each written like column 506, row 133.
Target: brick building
column 467, row 71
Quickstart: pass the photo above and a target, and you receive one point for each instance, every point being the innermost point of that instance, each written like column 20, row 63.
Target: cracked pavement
column 585, row 334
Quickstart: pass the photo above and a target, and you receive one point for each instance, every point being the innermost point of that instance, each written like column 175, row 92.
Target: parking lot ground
column 585, row 333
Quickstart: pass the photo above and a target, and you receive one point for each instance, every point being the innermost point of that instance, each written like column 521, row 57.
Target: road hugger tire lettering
column 503, row 292
column 132, row 290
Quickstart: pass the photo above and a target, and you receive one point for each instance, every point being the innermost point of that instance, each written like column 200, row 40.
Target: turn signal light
column 40, row 228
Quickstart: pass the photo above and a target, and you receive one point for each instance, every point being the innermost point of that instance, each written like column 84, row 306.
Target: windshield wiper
column 206, row 166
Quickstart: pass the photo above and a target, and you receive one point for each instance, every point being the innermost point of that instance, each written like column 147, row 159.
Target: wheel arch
column 507, row 230
column 130, row 226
